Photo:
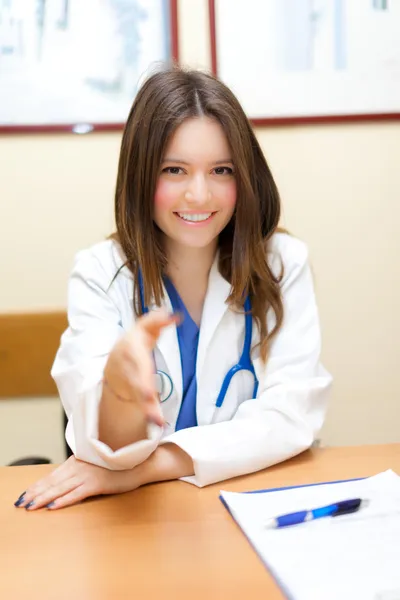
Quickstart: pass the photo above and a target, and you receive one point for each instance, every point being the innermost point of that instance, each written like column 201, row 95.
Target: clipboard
column 273, row 574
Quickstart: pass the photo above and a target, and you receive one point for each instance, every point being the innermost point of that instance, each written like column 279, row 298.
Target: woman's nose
column 198, row 190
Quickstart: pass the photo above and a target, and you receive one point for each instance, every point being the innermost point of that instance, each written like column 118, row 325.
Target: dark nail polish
column 50, row 505
column 30, row 504
column 20, row 500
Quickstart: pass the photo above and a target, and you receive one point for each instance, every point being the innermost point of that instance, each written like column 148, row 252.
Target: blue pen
column 331, row 510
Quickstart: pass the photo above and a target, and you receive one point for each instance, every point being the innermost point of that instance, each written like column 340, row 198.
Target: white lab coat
column 246, row 434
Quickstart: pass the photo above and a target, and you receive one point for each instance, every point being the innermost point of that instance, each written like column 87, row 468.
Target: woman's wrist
column 120, row 423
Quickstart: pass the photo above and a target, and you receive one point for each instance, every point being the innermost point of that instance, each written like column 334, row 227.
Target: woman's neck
column 189, row 269
column 189, row 263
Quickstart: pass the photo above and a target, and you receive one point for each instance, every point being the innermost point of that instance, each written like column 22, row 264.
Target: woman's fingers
column 59, row 488
column 153, row 323
column 143, row 341
column 53, row 494
column 60, row 475
column 129, row 372
column 143, row 374
column 130, row 367
column 152, row 410
column 73, row 497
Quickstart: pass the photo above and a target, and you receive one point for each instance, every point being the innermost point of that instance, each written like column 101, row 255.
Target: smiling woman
column 197, row 211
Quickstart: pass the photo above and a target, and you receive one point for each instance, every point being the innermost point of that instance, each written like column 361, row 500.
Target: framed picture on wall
column 309, row 60
column 75, row 65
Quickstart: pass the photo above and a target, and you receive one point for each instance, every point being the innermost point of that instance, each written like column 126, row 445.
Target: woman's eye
column 223, row 171
column 173, row 170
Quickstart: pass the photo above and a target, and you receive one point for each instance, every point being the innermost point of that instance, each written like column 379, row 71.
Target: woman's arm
column 166, row 463
column 103, row 429
column 76, row 480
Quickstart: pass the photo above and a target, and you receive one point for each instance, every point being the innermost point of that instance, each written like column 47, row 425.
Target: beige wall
column 340, row 187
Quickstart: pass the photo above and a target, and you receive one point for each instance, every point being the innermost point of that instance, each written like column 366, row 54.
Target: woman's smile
column 197, row 219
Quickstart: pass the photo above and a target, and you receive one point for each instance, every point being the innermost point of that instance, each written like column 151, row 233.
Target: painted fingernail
column 20, row 500
column 50, row 504
column 31, row 503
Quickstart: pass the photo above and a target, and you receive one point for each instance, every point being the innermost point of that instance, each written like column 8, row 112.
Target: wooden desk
column 168, row 540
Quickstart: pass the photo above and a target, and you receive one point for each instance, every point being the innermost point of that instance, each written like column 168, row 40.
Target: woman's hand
column 129, row 372
column 74, row 481
column 129, row 400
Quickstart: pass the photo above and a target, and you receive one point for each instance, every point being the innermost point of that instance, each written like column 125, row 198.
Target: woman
column 197, row 212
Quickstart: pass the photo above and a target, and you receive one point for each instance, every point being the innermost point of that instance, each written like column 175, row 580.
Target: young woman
column 193, row 344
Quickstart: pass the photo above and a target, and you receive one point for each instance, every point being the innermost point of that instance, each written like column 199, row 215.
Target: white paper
column 352, row 557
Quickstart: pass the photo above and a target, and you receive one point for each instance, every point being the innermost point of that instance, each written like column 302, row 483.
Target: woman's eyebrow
column 184, row 162
column 175, row 160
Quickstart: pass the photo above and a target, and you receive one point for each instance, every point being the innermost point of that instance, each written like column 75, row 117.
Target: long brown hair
column 165, row 100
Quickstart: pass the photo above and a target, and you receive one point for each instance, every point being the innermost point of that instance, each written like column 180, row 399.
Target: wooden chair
column 28, row 344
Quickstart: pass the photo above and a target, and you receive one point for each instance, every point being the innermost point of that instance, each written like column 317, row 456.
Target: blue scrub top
column 188, row 338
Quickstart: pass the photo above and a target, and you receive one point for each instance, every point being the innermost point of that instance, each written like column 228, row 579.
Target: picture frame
column 74, row 66
column 309, row 61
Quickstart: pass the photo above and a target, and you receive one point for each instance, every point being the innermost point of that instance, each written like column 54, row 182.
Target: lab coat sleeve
column 292, row 399
column 94, row 327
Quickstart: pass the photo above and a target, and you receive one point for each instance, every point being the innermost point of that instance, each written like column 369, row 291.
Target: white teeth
column 195, row 217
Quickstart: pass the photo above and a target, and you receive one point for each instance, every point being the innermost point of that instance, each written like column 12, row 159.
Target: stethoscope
column 165, row 385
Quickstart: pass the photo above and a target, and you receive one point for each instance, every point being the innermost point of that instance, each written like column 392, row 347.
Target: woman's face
column 196, row 190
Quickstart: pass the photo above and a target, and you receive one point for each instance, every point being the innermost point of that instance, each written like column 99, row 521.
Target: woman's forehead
column 198, row 138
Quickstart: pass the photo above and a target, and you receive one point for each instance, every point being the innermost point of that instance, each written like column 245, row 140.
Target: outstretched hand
column 129, row 372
